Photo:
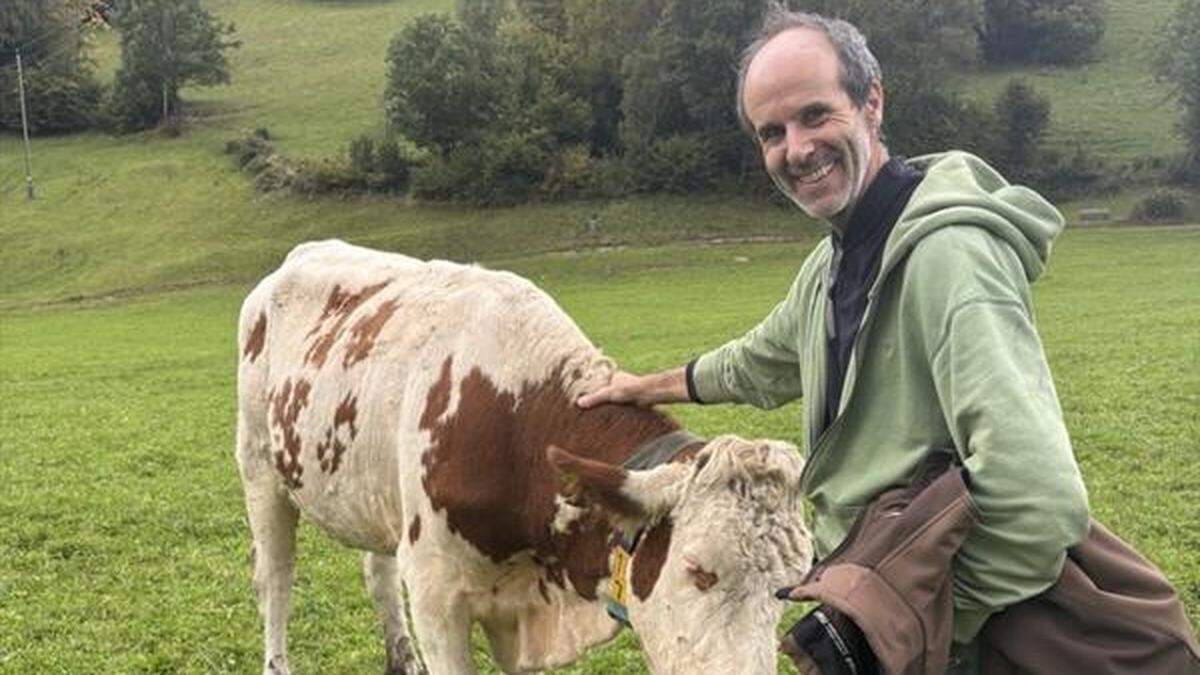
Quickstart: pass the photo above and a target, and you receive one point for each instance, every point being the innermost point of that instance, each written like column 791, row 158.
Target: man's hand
column 669, row 386
column 827, row 642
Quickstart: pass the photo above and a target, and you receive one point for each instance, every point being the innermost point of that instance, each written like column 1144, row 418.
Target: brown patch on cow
column 365, row 331
column 331, row 448
column 649, row 557
column 338, row 308
column 702, row 578
column 438, row 398
column 347, row 414
column 544, row 591
column 487, row 468
column 286, row 404
column 257, row 339
column 414, row 529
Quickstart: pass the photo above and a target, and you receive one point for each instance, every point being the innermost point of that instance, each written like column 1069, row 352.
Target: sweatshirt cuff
column 690, row 377
column 704, row 379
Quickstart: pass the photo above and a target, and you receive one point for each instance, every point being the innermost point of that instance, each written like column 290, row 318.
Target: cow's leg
column 273, row 523
column 383, row 583
column 442, row 623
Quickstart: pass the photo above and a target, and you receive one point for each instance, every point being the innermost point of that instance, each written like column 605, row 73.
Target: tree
column 1178, row 65
column 918, row 44
column 165, row 45
column 60, row 90
column 1023, row 115
column 441, row 91
column 1041, row 31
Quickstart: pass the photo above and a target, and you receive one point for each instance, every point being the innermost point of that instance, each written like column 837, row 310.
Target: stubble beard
column 851, row 191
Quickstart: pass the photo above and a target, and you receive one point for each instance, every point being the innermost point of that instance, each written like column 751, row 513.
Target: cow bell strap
column 653, row 453
column 659, row 451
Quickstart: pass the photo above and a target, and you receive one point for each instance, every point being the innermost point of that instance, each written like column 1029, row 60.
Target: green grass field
column 125, row 542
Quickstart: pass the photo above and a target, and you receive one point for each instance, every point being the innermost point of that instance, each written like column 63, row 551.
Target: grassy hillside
column 127, row 214
column 143, row 212
column 1112, row 106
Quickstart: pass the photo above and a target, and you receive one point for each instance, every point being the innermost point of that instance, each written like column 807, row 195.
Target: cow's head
column 720, row 534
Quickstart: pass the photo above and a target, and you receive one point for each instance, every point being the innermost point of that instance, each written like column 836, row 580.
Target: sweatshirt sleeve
column 761, row 368
column 997, row 395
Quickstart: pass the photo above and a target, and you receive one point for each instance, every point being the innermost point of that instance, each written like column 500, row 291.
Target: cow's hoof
column 276, row 665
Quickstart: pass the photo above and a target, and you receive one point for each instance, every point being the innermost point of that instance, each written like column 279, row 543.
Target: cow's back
column 342, row 351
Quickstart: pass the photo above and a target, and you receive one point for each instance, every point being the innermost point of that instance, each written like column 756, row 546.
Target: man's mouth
column 815, row 171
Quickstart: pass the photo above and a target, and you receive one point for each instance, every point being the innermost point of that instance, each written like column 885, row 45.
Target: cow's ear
column 628, row 495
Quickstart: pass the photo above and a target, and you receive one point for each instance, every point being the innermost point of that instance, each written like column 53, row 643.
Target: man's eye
column 769, row 134
column 813, row 118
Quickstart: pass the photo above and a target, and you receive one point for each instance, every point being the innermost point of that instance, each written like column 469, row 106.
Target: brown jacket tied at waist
column 1111, row 612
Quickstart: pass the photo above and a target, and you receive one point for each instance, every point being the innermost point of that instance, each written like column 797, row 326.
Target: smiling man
column 908, row 331
column 820, row 140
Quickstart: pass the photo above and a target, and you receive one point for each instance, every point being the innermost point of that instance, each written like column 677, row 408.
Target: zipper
column 848, row 387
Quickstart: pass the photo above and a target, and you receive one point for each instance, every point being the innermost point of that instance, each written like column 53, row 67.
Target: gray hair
column 859, row 68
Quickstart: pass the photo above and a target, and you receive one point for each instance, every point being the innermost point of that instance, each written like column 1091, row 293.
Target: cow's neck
column 486, row 468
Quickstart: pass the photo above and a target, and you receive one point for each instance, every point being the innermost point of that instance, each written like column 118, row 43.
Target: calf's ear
column 627, row 495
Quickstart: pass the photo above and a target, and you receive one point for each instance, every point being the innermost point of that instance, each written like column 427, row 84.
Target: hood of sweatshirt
column 961, row 188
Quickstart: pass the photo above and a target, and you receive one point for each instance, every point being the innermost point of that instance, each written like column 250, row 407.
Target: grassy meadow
column 123, row 540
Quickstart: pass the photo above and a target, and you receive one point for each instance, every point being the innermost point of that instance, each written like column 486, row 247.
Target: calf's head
column 720, row 533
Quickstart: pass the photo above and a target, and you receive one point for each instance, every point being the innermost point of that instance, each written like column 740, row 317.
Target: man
column 908, row 330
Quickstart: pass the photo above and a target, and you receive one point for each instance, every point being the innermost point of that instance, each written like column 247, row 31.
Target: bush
column 569, row 175
column 1061, row 175
column 55, row 102
column 679, row 164
column 244, row 150
column 325, row 177
column 1161, row 205
column 395, row 163
column 61, row 92
column 947, row 121
column 361, row 154
column 445, row 178
column 1042, row 31
column 1177, row 64
column 1022, row 115
column 513, row 166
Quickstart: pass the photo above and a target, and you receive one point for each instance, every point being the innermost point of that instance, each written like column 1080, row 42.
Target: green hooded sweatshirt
column 947, row 357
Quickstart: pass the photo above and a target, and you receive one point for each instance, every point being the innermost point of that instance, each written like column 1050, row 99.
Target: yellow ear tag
column 618, row 585
column 570, row 484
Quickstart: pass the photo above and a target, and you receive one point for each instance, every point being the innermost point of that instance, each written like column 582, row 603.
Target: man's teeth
column 816, row 174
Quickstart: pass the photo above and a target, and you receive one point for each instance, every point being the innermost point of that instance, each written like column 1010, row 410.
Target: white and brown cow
column 415, row 410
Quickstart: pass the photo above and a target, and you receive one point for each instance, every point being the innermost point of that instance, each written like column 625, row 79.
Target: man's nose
column 799, row 145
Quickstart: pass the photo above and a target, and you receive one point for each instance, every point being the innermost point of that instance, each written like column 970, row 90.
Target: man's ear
column 874, row 106
column 627, row 497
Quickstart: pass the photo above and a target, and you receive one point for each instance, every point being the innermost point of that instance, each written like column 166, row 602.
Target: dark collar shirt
column 853, row 268
column 857, row 254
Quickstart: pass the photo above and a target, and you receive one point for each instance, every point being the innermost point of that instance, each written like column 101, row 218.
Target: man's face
column 820, row 150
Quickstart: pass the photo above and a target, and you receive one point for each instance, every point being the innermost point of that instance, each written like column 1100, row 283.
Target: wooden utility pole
column 25, row 127
column 168, row 37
